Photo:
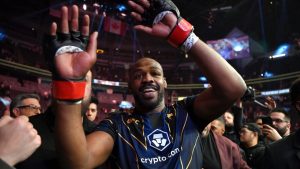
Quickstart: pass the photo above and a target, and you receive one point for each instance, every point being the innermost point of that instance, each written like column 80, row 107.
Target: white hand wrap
column 68, row 49
column 189, row 42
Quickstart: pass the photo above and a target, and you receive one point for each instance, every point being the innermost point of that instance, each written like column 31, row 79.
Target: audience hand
column 270, row 103
column 18, row 139
column 271, row 133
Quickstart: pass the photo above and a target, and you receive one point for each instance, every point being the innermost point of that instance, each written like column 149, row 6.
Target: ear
column 223, row 130
column 165, row 83
column 289, row 125
column 16, row 112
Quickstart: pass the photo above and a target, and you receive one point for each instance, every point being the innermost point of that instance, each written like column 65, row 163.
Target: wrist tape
column 68, row 90
column 189, row 43
column 180, row 33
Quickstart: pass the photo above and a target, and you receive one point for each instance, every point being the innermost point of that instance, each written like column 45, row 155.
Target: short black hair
column 295, row 91
column 17, row 101
column 94, row 100
column 283, row 111
column 252, row 127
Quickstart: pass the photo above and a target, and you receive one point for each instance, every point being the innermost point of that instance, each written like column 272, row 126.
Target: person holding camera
column 278, row 125
column 284, row 153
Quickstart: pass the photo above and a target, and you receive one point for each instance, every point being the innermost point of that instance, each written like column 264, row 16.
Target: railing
column 47, row 76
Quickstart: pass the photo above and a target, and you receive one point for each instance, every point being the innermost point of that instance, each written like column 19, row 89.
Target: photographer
column 280, row 126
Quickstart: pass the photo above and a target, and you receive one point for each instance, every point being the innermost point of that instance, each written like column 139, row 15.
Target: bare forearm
column 225, row 81
column 70, row 138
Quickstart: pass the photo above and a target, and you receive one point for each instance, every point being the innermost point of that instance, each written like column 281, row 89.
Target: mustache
column 149, row 85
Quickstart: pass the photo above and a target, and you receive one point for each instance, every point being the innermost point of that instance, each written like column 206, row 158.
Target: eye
column 137, row 75
column 155, row 73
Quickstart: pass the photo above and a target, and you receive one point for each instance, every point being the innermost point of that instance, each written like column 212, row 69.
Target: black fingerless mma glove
column 68, row 90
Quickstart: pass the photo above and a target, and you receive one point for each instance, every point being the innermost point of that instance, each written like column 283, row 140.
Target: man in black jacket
column 285, row 153
column 254, row 150
column 233, row 122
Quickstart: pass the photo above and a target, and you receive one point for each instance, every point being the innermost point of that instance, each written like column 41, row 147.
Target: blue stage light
column 121, row 8
column 2, row 34
column 268, row 74
column 282, row 49
column 202, row 78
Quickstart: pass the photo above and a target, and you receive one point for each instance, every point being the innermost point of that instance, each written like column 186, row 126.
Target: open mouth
column 149, row 88
column 149, row 91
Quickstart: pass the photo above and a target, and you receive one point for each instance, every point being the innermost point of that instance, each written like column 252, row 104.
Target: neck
column 145, row 110
column 286, row 133
column 251, row 143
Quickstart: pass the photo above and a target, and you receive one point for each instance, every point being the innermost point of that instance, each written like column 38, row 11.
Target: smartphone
column 267, row 120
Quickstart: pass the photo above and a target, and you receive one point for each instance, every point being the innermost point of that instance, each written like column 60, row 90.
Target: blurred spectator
column 233, row 122
column 254, row 150
column 219, row 151
column 92, row 111
column 27, row 104
column 281, row 125
column 285, row 152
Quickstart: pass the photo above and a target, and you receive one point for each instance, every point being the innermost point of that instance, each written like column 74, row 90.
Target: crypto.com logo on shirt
column 159, row 139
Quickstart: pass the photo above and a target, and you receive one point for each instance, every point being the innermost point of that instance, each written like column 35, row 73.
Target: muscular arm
column 227, row 84
column 76, row 150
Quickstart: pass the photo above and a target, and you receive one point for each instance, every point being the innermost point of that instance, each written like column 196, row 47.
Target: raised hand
column 271, row 133
column 18, row 139
column 270, row 103
column 71, row 55
column 143, row 10
column 73, row 64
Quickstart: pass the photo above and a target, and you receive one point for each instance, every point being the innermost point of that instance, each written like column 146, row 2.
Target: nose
column 147, row 78
column 38, row 111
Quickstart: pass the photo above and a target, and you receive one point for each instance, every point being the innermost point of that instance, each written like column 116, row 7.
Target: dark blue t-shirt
column 174, row 143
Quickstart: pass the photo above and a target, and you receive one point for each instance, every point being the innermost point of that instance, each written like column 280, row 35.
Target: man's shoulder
column 224, row 140
column 280, row 154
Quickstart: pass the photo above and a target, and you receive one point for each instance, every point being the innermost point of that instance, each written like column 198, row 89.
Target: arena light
column 121, row 8
column 106, row 82
column 267, row 74
column 202, row 78
column 125, row 105
column 275, row 92
column 2, row 35
column 281, row 51
column 277, row 56
column 99, row 51
column 84, row 7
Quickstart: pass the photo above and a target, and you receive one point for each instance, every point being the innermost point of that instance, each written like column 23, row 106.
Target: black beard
column 149, row 105
column 281, row 131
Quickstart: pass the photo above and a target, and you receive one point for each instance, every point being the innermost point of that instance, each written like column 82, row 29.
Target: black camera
column 249, row 94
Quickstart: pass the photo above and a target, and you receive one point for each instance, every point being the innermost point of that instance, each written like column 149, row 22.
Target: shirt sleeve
column 109, row 126
column 188, row 104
